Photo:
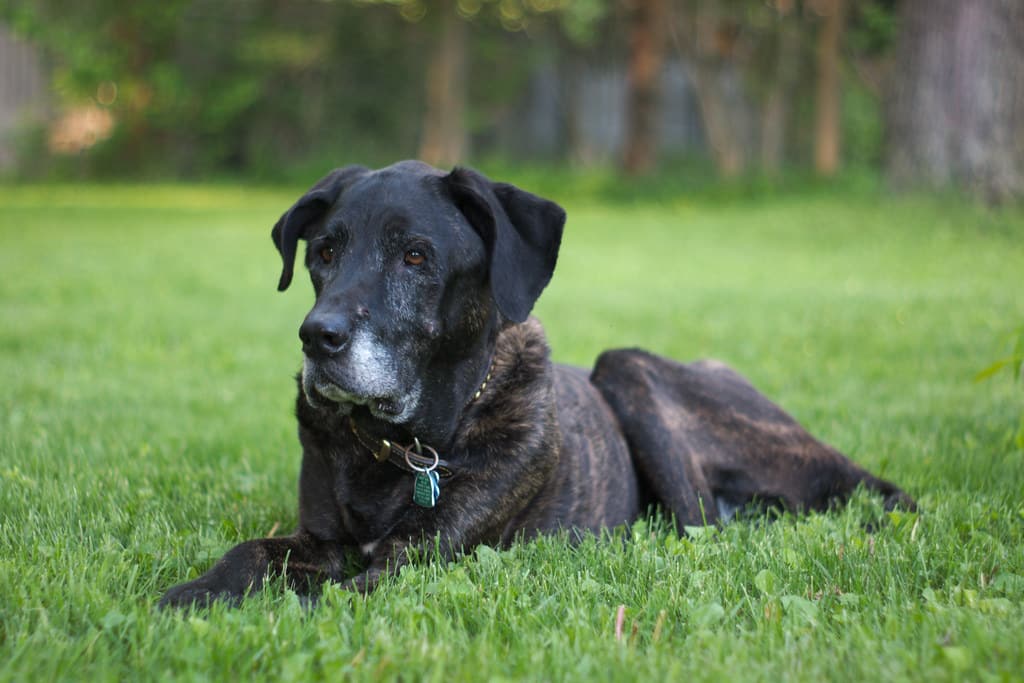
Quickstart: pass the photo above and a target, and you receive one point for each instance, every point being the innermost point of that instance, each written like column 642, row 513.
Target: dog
column 431, row 416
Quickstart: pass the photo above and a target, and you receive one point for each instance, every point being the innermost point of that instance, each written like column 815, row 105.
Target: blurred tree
column 787, row 41
column 711, row 35
column 287, row 87
column 647, row 45
column 453, row 25
column 869, row 44
column 956, row 104
column 201, row 86
column 588, row 33
column 114, row 56
column 827, row 128
column 443, row 140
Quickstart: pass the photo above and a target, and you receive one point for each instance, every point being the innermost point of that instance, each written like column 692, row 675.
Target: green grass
column 145, row 428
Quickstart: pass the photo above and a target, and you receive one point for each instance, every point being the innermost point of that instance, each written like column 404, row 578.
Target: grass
column 145, row 428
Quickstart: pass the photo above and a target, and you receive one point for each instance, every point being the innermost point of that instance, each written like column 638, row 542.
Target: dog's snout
column 323, row 335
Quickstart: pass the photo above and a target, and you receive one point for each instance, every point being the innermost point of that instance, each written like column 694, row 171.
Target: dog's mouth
column 325, row 391
column 380, row 407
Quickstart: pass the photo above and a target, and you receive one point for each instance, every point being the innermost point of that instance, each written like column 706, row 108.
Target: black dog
column 429, row 410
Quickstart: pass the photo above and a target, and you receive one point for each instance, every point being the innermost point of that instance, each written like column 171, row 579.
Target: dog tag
column 426, row 489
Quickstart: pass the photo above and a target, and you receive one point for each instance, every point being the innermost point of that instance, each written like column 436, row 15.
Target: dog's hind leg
column 706, row 442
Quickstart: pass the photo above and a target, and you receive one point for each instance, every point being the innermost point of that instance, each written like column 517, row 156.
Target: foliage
column 1014, row 362
column 873, row 27
column 580, row 19
column 1014, row 365
column 146, row 426
column 228, row 87
column 273, row 89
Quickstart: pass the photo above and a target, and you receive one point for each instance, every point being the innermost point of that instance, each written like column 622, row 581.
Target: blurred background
column 920, row 93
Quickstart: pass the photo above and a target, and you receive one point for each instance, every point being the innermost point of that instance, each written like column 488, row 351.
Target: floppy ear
column 291, row 227
column 522, row 233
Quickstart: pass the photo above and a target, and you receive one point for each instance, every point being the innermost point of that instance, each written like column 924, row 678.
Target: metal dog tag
column 425, row 489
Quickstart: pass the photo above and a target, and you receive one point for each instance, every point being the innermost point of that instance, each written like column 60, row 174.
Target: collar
column 410, row 458
column 406, row 458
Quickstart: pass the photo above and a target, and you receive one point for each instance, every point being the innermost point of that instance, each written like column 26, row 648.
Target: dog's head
column 414, row 271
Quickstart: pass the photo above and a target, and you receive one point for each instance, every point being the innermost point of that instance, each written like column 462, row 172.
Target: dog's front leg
column 461, row 520
column 392, row 552
column 303, row 559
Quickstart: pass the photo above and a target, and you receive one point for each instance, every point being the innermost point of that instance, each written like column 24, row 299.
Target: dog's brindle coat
column 424, row 283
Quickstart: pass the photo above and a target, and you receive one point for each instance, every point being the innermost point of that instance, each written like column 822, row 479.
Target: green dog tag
column 426, row 489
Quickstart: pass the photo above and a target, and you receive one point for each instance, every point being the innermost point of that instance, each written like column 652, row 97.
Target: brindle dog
column 420, row 339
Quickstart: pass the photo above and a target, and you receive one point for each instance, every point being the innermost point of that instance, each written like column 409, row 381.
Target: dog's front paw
column 198, row 593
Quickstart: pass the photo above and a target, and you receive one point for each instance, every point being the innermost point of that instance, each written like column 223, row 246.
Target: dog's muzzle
column 324, row 388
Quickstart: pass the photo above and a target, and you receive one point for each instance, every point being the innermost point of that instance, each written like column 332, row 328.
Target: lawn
column 146, row 427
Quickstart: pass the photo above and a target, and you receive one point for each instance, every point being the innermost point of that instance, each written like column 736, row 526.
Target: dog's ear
column 311, row 207
column 522, row 233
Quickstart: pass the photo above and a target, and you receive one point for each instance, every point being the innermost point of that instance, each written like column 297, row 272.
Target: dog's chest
column 369, row 506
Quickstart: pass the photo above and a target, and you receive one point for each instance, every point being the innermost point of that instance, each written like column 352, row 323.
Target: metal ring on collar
column 437, row 459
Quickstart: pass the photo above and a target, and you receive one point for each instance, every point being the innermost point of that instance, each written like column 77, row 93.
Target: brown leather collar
column 399, row 456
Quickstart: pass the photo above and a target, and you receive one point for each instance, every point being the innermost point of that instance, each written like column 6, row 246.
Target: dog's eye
column 327, row 254
column 414, row 257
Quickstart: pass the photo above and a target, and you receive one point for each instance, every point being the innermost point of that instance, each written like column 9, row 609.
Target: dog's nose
column 322, row 335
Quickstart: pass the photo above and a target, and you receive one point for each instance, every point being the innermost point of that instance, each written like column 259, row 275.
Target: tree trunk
column 775, row 116
column 827, row 128
column 647, row 45
column 956, row 102
column 444, row 133
column 721, row 113
column 577, row 148
column 710, row 41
